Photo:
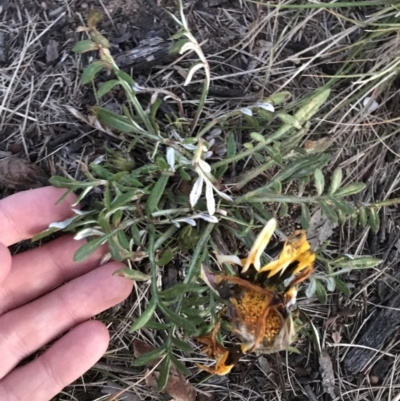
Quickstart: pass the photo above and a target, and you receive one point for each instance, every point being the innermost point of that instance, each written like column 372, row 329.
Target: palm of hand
column 36, row 306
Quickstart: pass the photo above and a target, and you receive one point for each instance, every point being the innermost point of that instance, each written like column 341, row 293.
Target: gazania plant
column 261, row 299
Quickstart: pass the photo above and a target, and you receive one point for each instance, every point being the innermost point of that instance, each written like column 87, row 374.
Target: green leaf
column 89, row 248
column 351, row 189
column 274, row 153
column 230, row 151
column 341, row 286
column 328, row 211
column 319, row 181
column 283, row 209
column 177, row 46
column 320, row 292
column 180, row 366
column 114, row 249
column 362, row 217
column 330, row 284
column 361, row 262
column 107, row 197
column 290, row 348
column 185, row 175
column 311, row 105
column 257, row 137
column 62, row 182
column 178, row 320
column 148, row 357
column 135, row 234
column 84, row 46
column 106, row 87
column 290, row 120
column 182, row 345
column 305, row 217
column 117, row 217
column 91, row 71
column 151, row 324
column 373, row 220
column 132, row 274
column 164, row 373
column 125, row 77
column 342, row 205
column 336, row 180
column 176, row 291
column 156, row 194
column 311, row 288
column 123, row 240
column 115, row 121
column 44, row 234
column 166, row 257
column 277, row 187
column 144, row 318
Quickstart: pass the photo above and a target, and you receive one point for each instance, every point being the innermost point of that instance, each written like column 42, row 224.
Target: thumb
column 5, row 262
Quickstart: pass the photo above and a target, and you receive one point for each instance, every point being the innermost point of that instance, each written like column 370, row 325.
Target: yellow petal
column 305, row 260
column 259, row 245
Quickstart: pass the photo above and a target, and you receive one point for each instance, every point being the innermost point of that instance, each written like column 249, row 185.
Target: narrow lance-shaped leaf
column 320, row 292
column 336, row 180
column 341, row 286
column 88, row 249
column 144, row 317
column 91, row 71
column 362, row 217
column 115, row 121
column 180, row 321
column 329, row 212
column 84, row 46
column 175, row 291
column 319, row 181
column 132, row 274
column 351, row 189
column 305, row 217
column 373, row 220
column 149, row 356
column 361, row 262
column 166, row 257
column 164, row 373
column 283, row 209
column 156, row 194
column 106, row 87
column 312, row 287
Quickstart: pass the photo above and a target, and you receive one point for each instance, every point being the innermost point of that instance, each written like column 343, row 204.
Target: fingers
column 27, row 213
column 64, row 362
column 24, row 330
column 5, row 263
column 40, row 270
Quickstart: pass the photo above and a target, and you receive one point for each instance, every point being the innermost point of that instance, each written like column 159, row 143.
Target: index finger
column 27, row 213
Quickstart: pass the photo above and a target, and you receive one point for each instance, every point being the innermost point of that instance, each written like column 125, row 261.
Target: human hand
column 36, row 306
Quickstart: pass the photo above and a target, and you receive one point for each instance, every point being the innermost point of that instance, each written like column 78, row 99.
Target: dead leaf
column 328, row 377
column 321, row 229
column 177, row 386
column 20, row 174
column 52, row 52
column 319, row 145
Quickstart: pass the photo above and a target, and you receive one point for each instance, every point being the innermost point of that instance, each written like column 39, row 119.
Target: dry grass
column 254, row 50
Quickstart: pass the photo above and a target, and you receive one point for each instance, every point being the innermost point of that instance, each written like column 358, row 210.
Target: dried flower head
column 259, row 311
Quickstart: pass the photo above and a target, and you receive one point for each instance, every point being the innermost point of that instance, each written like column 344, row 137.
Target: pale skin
column 45, row 296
